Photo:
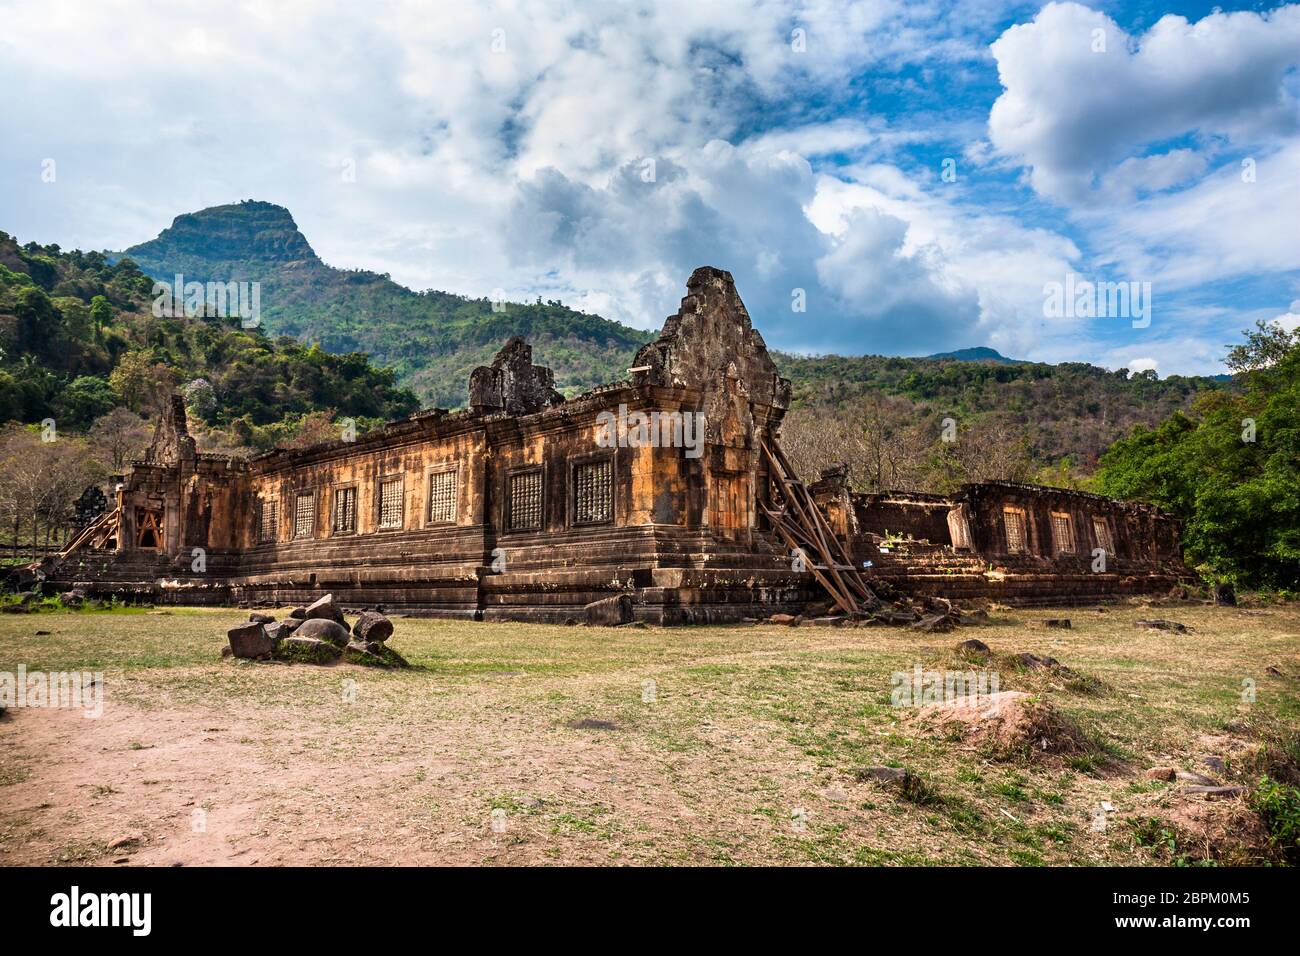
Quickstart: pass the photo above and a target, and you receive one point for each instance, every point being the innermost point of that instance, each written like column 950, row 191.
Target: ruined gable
column 711, row 345
column 512, row 383
column 172, row 442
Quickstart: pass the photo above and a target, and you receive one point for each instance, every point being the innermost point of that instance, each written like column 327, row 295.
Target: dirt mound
column 1227, row 832
column 1009, row 723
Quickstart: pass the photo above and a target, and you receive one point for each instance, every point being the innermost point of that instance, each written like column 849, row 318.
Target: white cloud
column 1072, row 112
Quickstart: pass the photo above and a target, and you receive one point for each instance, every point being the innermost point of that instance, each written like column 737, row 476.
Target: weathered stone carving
column 512, row 383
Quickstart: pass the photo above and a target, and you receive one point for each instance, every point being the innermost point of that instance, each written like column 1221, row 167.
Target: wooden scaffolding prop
column 95, row 535
column 802, row 526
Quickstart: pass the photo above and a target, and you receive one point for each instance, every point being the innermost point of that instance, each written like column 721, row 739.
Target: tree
column 86, row 398
column 117, row 437
column 1231, row 469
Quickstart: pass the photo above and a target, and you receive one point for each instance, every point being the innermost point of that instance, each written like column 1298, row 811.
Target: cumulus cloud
column 1081, row 97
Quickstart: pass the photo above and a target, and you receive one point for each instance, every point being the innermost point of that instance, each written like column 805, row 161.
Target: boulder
column 290, row 624
column 372, row 626
column 1225, row 595
column 974, row 648
column 609, row 611
column 325, row 609
column 277, row 631
column 373, row 654
column 1034, row 662
column 1214, row 793
column 934, row 624
column 249, row 641
column 307, row 650
column 261, row 618
column 1160, row 624
column 299, row 614
column 323, row 629
column 1161, row 773
column 73, row 598
column 884, row 776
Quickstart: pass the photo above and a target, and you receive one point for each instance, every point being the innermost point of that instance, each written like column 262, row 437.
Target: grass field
column 715, row 745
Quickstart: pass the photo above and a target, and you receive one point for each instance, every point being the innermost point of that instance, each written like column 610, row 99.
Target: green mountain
column 980, row 353
column 433, row 340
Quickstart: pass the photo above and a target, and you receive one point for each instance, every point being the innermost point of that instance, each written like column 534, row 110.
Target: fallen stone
column 609, row 611
column 298, row 613
column 26, row 597
column 973, row 618
column 321, row 628
column 934, row 624
column 308, row 650
column 1214, row 793
column 829, row 621
column 1062, row 622
column 590, row 723
column 325, row 609
column 277, row 631
column 1161, row 773
column 974, row 648
column 1225, row 595
column 372, row 626
column 257, row 618
column 1160, row 624
column 123, row 841
column 884, row 776
column 1197, row 779
column 227, row 651
column 290, row 624
column 782, row 619
column 73, row 598
column 249, row 641
column 1033, row 661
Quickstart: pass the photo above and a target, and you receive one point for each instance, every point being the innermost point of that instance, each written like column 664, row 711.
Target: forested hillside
column 432, row 339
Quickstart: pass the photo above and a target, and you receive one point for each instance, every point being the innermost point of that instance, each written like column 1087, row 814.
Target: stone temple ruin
column 653, row 496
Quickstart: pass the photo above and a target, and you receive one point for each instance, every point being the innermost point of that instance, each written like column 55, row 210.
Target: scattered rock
column 609, row 611
column 1214, row 763
column 26, row 597
column 1161, row 773
column 590, row 723
column 973, row 618
column 783, row 619
column 373, row 654
column 883, row 776
column 322, row 628
column 42, row 633
column 1062, row 622
column 277, row 631
column 74, row 598
column 257, row 618
column 829, row 621
column 123, row 842
column 1213, row 793
column 1160, row 624
column 249, row 641
column 1035, row 662
column 934, row 624
column 1197, row 779
column 298, row 613
column 325, row 609
column 372, row 626
column 1225, row 595
column 227, row 651
column 290, row 624
column 974, row 648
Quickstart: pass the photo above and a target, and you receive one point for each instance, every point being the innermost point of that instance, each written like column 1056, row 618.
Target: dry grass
column 750, row 750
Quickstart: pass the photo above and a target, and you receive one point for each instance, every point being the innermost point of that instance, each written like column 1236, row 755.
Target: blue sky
column 597, row 152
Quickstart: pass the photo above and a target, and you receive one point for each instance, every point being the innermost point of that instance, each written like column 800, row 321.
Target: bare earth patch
column 740, row 745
